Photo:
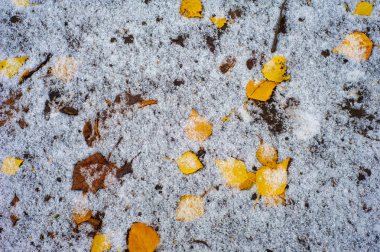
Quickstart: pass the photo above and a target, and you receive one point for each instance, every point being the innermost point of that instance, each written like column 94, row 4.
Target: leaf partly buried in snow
column 21, row 3
column 197, row 127
column 189, row 208
column 266, row 154
column 90, row 173
column 219, row 21
column 235, row 173
column 11, row 66
column 275, row 69
column 65, row 68
column 260, row 90
column 356, row 46
column 142, row 238
column 363, row 9
column 191, row 8
column 227, row 65
column 271, row 182
column 91, row 134
column 11, row 165
column 100, row 243
column 189, row 163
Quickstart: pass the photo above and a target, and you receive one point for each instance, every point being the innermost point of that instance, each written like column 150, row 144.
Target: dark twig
column 28, row 75
column 116, row 145
column 201, row 242
column 278, row 26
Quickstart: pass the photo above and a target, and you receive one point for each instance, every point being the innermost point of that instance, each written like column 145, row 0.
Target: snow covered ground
column 326, row 118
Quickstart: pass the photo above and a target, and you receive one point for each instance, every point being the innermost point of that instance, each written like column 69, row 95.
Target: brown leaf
column 147, row 103
column 8, row 107
column 210, row 43
column 69, row 111
column 233, row 14
column 227, row 65
column 15, row 200
column 91, row 134
column 90, row 173
column 22, row 123
column 125, row 169
column 179, row 40
column 14, row 219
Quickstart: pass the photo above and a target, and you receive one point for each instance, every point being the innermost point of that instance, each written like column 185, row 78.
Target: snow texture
column 326, row 117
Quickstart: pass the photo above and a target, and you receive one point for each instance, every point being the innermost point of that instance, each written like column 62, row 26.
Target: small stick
column 28, row 75
column 117, row 144
column 278, row 27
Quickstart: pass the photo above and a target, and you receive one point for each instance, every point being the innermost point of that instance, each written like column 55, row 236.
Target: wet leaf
column 363, row 9
column 275, row 69
column 147, row 103
column 198, row 128
column 90, row 173
column 81, row 215
column 14, row 219
column 191, row 8
column 11, row 165
column 69, row 111
column 142, row 238
column 15, row 200
column 11, row 66
column 356, row 46
column 260, row 90
column 219, row 21
column 65, row 68
column 267, row 154
column 235, row 173
column 101, row 243
column 91, row 134
column 190, row 208
column 189, row 163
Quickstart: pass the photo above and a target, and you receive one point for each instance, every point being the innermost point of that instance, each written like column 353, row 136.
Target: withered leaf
column 125, row 169
column 22, row 123
column 91, row 134
column 179, row 40
column 90, row 173
column 233, row 14
column 69, row 111
column 8, row 107
column 14, row 219
column 210, row 43
column 227, row 65
column 15, row 200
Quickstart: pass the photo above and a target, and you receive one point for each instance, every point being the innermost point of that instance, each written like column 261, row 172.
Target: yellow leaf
column 275, row 69
column 11, row 165
column 284, row 164
column 219, row 21
column 260, row 90
column 11, row 66
column 191, row 8
column 235, row 173
column 363, row 9
column 21, row 3
column 197, row 128
column 267, row 154
column 82, row 215
column 142, row 238
column 189, row 163
column 100, row 243
column 189, row 208
column 65, row 68
column 356, row 46
column 271, row 182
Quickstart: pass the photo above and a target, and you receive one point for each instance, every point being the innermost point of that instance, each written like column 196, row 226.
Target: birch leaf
column 100, row 243
column 65, row 68
column 356, row 46
column 9, row 67
column 363, row 9
column 219, row 21
column 191, row 8
column 189, row 163
column 260, row 90
column 235, row 173
column 142, row 238
column 271, row 182
column 197, row 128
column 190, row 208
column 275, row 69
column 266, row 154
column 11, row 165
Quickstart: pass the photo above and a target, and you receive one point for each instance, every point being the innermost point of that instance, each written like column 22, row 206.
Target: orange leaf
column 147, row 103
column 197, row 128
column 142, row 238
column 356, row 46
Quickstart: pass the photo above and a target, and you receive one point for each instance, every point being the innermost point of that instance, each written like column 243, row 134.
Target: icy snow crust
column 328, row 111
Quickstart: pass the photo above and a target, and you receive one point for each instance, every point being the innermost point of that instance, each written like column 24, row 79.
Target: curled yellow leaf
column 100, row 243
column 197, row 128
column 219, row 21
column 190, row 207
column 260, row 90
column 235, row 173
column 275, row 69
column 189, row 163
column 11, row 165
column 142, row 238
column 9, row 67
column 356, row 46
column 191, row 8
column 363, row 9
